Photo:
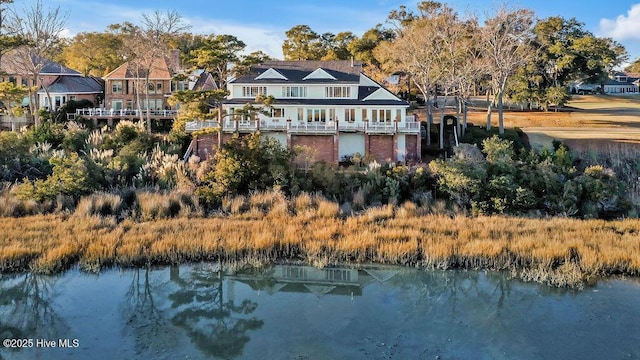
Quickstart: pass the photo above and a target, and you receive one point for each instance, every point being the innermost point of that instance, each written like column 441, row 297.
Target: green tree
column 565, row 52
column 634, row 67
column 217, row 55
column 194, row 105
column 362, row 48
column 93, row 53
column 302, row 43
column 244, row 164
column 11, row 96
column 9, row 40
column 338, row 46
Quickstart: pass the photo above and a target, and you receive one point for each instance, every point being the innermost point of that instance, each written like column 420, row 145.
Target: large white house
column 328, row 106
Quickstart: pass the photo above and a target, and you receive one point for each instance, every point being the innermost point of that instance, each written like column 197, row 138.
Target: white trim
column 381, row 94
column 271, row 73
column 319, row 73
column 366, row 81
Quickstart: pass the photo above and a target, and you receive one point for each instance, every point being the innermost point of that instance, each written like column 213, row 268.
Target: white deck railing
column 102, row 112
column 329, row 127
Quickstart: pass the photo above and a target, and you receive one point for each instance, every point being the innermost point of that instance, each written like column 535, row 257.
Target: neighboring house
column 330, row 107
column 124, row 86
column 619, row 83
column 127, row 90
column 62, row 84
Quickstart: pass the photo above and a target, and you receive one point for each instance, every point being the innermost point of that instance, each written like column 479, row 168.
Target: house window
column 337, row 275
column 364, row 114
column 294, row 91
column 116, row 104
column 179, row 86
column 294, row 273
column 152, row 88
column 300, row 114
column 253, row 91
column 24, row 82
column 350, row 115
column 277, row 112
column 398, row 114
column 316, row 115
column 129, row 104
column 116, row 87
column 332, row 114
column 337, row 92
column 159, row 88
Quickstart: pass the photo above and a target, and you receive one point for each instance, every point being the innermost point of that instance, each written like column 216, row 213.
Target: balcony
column 102, row 113
column 303, row 127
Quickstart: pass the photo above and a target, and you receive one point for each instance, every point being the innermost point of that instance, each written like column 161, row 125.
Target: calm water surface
column 299, row 312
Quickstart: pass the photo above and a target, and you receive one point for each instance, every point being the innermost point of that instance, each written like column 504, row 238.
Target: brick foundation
column 381, row 147
column 411, row 142
column 325, row 146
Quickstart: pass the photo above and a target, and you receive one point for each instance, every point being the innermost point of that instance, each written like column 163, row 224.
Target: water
column 299, row 312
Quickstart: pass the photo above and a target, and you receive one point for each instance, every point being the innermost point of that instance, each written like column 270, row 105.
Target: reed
column 556, row 251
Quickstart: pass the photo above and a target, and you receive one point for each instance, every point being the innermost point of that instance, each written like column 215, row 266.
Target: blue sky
column 261, row 24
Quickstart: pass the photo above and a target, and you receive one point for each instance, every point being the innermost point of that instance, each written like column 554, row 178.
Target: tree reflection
column 141, row 311
column 216, row 326
column 26, row 310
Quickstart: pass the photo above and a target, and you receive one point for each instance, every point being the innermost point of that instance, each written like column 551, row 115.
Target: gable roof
column 319, row 73
column 159, row 69
column 334, row 71
column 13, row 63
column 204, row 82
column 271, row 73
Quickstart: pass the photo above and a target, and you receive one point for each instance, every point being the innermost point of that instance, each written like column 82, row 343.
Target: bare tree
column 41, row 28
column 158, row 28
column 431, row 48
column 145, row 49
column 506, row 43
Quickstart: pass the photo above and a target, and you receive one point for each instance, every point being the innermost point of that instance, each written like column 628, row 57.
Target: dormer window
column 337, row 92
column 294, row 91
column 253, row 91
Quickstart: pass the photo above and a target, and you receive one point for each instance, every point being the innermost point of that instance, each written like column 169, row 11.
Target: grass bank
column 268, row 228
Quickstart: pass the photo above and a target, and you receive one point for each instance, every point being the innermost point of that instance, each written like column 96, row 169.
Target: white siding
column 402, row 147
column 281, row 137
column 349, row 144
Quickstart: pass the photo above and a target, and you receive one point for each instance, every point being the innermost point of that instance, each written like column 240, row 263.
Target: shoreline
column 558, row 252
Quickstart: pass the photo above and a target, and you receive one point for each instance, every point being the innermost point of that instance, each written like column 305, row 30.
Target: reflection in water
column 26, row 308
column 301, row 312
column 215, row 323
column 308, row 279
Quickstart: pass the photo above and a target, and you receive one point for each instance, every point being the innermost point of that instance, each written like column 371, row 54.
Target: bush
column 243, row 165
column 70, row 177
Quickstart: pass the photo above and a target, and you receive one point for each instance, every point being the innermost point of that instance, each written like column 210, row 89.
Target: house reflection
column 308, row 279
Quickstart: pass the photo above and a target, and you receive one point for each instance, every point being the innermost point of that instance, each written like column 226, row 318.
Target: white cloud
column 623, row 27
column 255, row 37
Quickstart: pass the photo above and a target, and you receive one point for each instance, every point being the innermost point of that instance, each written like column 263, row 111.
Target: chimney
column 174, row 60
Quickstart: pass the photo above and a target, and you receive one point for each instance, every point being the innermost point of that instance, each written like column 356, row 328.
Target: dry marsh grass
column 557, row 251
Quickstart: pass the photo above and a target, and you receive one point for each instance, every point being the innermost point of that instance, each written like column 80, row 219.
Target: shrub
column 69, row 177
